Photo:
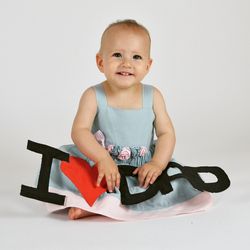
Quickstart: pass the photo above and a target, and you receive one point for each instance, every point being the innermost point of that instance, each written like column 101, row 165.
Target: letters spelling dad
column 162, row 184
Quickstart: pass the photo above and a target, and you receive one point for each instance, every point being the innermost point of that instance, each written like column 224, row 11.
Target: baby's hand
column 108, row 169
column 147, row 173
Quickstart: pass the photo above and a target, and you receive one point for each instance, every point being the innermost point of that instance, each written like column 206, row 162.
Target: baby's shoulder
column 88, row 97
column 158, row 100
column 89, row 92
column 155, row 91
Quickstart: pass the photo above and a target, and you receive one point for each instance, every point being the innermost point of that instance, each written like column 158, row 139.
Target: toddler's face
column 125, row 56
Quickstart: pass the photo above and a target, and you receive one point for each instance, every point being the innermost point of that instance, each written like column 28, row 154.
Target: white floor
column 25, row 224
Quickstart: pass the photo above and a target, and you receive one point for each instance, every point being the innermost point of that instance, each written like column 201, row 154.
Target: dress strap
column 100, row 96
column 147, row 96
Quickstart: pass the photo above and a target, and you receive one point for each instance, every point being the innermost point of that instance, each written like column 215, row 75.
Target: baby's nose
column 126, row 63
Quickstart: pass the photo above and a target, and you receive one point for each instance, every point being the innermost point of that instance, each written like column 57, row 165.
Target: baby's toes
column 71, row 213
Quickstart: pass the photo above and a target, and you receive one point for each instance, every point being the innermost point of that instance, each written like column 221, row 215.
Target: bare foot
column 77, row 213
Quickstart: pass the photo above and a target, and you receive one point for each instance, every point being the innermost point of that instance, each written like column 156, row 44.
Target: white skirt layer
column 111, row 207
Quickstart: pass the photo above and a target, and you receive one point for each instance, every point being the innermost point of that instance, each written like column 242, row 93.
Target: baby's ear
column 99, row 61
column 150, row 60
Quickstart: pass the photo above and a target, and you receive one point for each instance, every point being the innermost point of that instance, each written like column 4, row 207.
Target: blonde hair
column 128, row 23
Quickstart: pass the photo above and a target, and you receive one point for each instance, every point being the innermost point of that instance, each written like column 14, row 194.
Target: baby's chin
column 123, row 83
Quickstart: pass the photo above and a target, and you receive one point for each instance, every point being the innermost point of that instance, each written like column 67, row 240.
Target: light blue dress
column 128, row 135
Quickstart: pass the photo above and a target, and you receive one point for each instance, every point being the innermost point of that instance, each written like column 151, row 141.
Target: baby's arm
column 165, row 143
column 164, row 131
column 87, row 144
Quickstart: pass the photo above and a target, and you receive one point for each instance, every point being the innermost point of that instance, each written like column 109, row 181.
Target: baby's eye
column 137, row 57
column 117, row 54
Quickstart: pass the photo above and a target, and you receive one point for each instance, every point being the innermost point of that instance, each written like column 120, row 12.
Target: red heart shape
column 84, row 177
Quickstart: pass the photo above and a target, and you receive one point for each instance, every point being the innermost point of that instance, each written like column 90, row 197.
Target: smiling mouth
column 122, row 73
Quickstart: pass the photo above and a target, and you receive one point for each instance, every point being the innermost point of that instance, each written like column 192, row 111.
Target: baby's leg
column 77, row 213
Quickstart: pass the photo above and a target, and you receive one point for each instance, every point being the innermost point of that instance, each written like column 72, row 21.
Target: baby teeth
column 124, row 73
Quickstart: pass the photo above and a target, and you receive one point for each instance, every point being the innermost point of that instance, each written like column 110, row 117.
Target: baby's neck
column 125, row 98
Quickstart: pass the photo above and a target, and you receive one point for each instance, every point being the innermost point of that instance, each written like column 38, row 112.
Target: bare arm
column 164, row 147
column 81, row 129
column 87, row 144
column 164, row 131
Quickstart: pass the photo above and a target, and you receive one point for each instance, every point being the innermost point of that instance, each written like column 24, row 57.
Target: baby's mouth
column 124, row 73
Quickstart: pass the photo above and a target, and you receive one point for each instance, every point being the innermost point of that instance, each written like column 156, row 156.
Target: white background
column 201, row 61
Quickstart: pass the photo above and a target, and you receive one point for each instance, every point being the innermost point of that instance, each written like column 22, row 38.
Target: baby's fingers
column 118, row 180
column 142, row 177
column 136, row 171
column 99, row 179
column 148, row 179
column 114, row 179
column 109, row 183
column 154, row 177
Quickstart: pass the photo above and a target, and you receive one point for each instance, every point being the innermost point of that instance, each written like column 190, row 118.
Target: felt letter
column 41, row 192
column 163, row 182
